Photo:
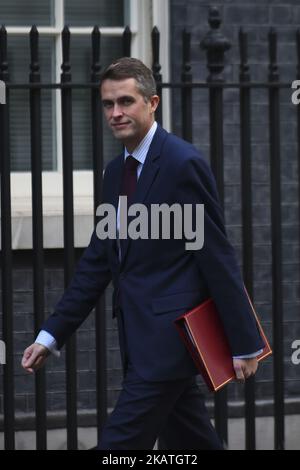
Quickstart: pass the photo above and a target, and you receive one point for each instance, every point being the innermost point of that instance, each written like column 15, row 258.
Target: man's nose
column 117, row 110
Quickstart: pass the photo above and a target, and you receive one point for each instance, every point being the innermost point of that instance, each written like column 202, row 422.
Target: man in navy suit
column 155, row 280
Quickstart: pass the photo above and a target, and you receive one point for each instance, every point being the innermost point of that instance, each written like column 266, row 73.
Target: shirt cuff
column 45, row 339
column 249, row 356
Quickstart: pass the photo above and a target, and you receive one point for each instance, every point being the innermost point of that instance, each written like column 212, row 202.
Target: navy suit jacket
column 158, row 280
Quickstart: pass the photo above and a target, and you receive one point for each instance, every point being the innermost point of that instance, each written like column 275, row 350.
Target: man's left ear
column 154, row 102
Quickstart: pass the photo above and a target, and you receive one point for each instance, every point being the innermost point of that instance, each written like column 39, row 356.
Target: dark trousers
column 173, row 411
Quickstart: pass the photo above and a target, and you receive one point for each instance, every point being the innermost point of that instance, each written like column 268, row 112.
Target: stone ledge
column 87, row 418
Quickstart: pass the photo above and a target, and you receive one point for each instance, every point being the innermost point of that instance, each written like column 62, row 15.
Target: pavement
column 87, row 436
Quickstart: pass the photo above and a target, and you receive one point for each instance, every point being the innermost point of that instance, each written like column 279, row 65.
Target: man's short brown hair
column 128, row 67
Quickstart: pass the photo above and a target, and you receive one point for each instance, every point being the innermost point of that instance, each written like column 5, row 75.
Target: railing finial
column 215, row 45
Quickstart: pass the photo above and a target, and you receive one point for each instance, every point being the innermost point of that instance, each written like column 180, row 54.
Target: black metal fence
column 215, row 46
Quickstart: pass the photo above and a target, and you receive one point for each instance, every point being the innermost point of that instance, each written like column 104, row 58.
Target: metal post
column 274, row 122
column 156, row 67
column 6, row 256
column 215, row 45
column 186, row 93
column 71, row 363
column 127, row 42
column 245, row 124
column 37, row 232
column 100, row 318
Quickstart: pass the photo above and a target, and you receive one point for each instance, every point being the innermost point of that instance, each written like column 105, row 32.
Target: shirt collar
column 140, row 152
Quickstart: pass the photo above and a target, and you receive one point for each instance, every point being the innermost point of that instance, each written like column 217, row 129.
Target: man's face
column 126, row 111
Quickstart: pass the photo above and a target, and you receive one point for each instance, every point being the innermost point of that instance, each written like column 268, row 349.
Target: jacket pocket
column 181, row 301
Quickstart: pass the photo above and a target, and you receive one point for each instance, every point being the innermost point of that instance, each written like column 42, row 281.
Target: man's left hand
column 244, row 368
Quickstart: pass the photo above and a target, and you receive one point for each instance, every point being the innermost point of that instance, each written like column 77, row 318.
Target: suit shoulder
column 189, row 164
column 183, row 151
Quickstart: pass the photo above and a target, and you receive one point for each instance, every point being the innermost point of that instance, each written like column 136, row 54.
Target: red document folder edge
column 203, row 334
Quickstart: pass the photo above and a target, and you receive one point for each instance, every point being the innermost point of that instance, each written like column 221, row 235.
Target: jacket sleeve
column 91, row 277
column 216, row 259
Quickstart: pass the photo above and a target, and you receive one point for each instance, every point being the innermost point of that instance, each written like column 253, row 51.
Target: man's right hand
column 34, row 357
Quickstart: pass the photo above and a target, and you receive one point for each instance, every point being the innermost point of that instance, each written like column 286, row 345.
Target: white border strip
column 80, row 31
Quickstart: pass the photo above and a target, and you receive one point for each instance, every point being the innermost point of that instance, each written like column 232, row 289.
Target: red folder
column 203, row 334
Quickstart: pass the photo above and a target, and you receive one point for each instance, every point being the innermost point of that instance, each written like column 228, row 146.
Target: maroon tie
column 129, row 180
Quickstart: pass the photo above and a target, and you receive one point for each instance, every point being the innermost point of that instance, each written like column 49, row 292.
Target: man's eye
column 107, row 105
column 127, row 101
